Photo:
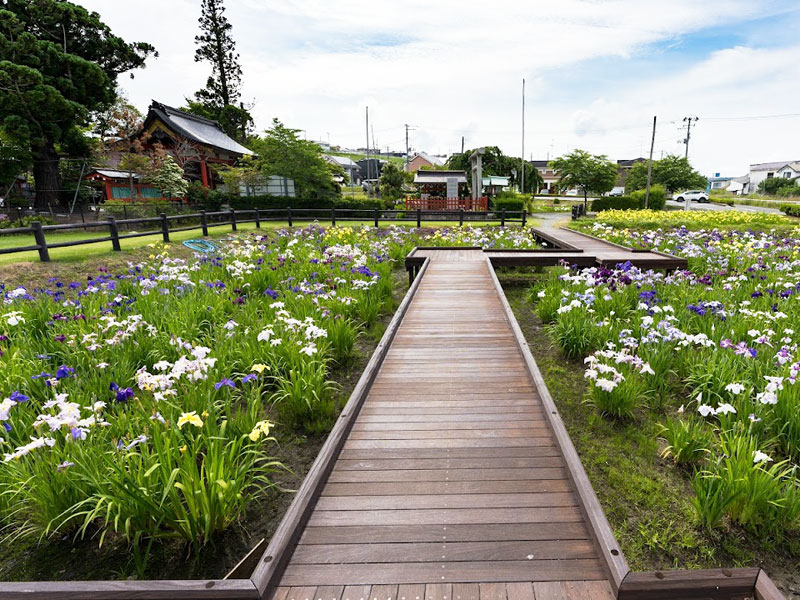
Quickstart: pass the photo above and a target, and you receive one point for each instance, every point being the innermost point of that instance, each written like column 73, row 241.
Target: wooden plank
column 399, row 502
column 456, row 443
column 383, row 592
column 356, row 592
column 329, row 592
column 414, row 453
column 391, row 488
column 389, row 464
column 549, row 590
column 456, row 516
column 279, row 593
column 302, row 593
column 765, row 589
column 452, row 533
column 460, row 572
column 438, row 591
column 701, row 583
column 520, row 591
column 492, row 591
column 446, row 434
column 216, row 589
column 466, row 591
column 411, row 591
column 409, row 475
column 440, row 552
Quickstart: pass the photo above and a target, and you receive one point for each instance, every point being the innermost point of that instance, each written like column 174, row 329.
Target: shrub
column 658, row 197
column 509, row 202
column 617, row 203
column 793, row 210
column 687, row 440
column 282, row 202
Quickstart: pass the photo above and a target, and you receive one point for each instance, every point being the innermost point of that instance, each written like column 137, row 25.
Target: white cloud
column 454, row 68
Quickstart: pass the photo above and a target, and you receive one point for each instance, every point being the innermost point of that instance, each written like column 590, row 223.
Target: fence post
column 38, row 235
column 524, row 216
column 419, row 218
column 83, row 219
column 258, row 219
column 460, row 217
column 204, row 222
column 233, row 220
column 376, row 215
column 164, row 227
column 125, row 210
column 502, row 217
column 19, row 216
column 112, row 227
column 289, row 215
column 333, row 217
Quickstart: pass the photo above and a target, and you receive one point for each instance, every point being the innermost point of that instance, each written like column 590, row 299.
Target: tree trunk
column 45, row 175
column 585, row 201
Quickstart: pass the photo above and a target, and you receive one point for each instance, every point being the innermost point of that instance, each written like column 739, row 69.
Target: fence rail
column 439, row 203
column 161, row 225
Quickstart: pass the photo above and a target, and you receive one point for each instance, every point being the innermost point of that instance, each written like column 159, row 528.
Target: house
column 494, row 184
column 549, row 177
column 195, row 142
column 719, row 183
column 761, row 171
column 115, row 184
column 624, row 167
column 350, row 167
column 422, row 161
column 441, row 184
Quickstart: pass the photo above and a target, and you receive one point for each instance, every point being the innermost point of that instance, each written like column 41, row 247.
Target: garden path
column 457, row 480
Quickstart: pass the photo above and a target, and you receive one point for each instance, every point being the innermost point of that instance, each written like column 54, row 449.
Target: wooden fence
column 164, row 224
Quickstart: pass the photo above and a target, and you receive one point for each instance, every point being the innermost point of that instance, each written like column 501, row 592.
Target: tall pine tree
column 218, row 100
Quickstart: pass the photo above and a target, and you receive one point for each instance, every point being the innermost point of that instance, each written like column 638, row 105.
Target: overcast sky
column 597, row 71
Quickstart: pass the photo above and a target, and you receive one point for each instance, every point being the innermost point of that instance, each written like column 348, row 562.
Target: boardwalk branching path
column 450, row 483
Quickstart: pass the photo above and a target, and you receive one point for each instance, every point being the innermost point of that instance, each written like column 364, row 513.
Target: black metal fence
column 164, row 225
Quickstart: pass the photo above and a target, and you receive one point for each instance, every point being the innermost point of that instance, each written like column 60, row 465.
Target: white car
column 696, row 195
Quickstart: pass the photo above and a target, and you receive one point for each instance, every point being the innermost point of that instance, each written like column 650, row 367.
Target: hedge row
column 281, row 202
column 633, row 201
column 793, row 210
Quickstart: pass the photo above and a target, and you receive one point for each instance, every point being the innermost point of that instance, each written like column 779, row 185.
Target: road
column 710, row 206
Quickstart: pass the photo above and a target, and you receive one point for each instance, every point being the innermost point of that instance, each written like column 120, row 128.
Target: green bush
column 617, row 203
column 9, row 221
column 282, row 202
column 658, row 197
column 793, row 210
column 509, row 201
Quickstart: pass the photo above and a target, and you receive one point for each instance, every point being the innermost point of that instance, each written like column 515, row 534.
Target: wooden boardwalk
column 451, row 483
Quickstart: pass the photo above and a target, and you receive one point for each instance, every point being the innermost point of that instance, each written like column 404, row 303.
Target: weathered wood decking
column 451, row 483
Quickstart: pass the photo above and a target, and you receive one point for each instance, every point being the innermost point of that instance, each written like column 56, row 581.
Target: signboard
column 452, row 187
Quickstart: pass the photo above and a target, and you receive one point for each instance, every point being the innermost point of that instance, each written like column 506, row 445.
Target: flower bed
column 141, row 405
column 712, row 352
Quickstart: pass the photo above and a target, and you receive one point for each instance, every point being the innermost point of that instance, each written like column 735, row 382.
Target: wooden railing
column 438, row 203
column 163, row 225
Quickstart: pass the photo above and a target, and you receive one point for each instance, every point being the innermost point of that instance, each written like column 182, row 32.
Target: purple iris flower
column 249, row 377
column 64, row 371
column 60, row 338
column 18, row 397
column 123, row 394
column 222, row 382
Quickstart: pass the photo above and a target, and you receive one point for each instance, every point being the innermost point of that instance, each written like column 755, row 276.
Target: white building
column 761, row 171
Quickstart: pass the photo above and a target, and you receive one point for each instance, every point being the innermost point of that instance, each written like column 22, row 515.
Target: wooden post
column 112, row 228
column 524, row 216
column 19, row 216
column 125, row 210
column 38, row 235
column 204, row 222
column 233, row 220
column 460, row 217
column 83, row 219
column 289, row 215
column 164, row 227
column 258, row 219
column 333, row 217
column 419, row 218
column 502, row 217
column 376, row 215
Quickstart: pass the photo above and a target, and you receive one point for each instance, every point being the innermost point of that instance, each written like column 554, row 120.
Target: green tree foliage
column 219, row 99
column 494, row 162
column 284, row 153
column 393, row 178
column 14, row 160
column 673, row 172
column 585, row 171
column 58, row 64
column 779, row 186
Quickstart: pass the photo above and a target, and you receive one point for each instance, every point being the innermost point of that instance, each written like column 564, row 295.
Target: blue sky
column 596, row 72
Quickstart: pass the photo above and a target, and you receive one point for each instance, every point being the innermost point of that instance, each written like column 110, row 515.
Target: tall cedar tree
column 216, row 46
column 58, row 64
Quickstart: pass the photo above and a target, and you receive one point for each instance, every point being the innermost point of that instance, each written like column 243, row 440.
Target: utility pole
column 650, row 166
column 408, row 150
column 522, row 159
column 688, row 121
column 462, row 144
column 368, row 163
